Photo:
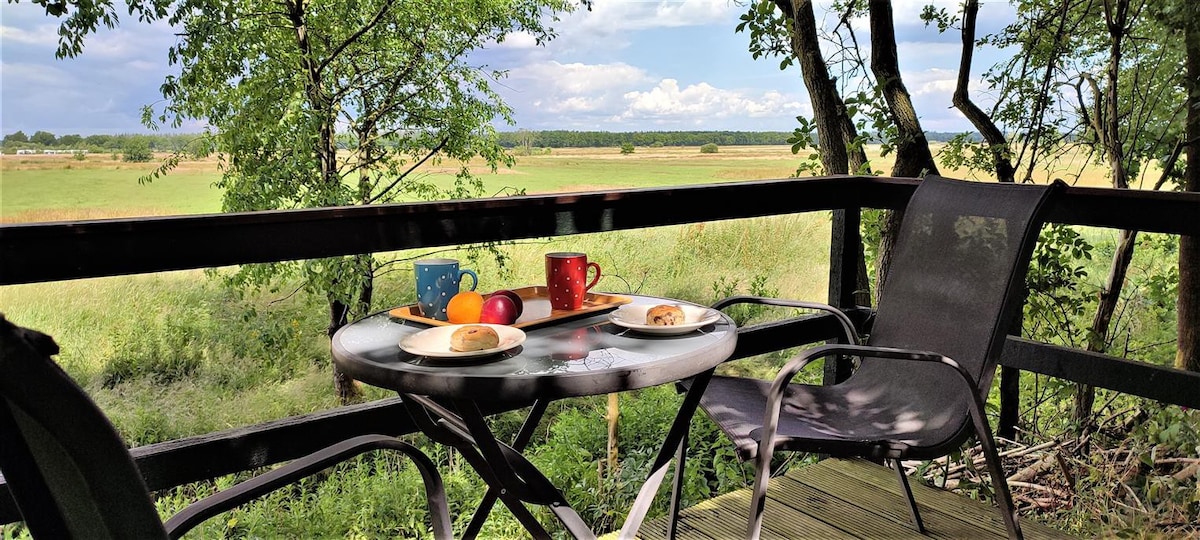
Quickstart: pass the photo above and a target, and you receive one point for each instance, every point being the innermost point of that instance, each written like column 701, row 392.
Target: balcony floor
column 844, row 499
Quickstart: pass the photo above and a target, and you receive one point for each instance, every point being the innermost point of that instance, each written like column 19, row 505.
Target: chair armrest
column 311, row 464
column 779, row 385
column 842, row 318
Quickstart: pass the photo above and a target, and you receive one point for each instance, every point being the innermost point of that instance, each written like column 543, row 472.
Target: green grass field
column 176, row 354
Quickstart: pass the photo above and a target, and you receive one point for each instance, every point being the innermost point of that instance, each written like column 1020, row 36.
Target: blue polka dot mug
column 437, row 282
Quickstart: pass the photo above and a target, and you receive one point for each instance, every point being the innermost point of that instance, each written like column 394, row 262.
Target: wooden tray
column 537, row 312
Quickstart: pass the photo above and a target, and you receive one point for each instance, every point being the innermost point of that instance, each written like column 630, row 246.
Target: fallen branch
column 1188, row 472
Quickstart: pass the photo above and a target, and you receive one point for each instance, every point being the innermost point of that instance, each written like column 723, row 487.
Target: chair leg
column 999, row 483
column 983, row 430
column 677, row 487
column 908, row 494
column 762, row 474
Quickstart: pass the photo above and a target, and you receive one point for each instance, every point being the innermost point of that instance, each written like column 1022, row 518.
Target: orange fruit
column 464, row 307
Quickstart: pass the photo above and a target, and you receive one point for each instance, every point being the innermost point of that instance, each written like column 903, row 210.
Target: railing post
column 1010, row 402
column 843, row 278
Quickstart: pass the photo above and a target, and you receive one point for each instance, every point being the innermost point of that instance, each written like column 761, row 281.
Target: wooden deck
column 844, row 499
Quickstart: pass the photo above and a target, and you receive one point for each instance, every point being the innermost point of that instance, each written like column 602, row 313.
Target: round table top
column 586, row 356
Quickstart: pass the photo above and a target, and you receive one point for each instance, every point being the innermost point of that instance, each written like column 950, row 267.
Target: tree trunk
column 835, row 129
column 1110, row 294
column 1109, row 135
column 345, row 387
column 822, row 91
column 325, row 148
column 996, row 141
column 913, row 157
column 1188, row 307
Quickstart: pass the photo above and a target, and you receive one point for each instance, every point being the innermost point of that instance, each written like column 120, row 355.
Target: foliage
column 44, row 138
column 575, row 448
column 16, row 136
column 136, row 150
column 1057, row 299
column 710, row 148
column 277, row 81
column 626, row 148
column 743, row 314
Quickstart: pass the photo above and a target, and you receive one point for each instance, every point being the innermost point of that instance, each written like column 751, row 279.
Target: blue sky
column 624, row 66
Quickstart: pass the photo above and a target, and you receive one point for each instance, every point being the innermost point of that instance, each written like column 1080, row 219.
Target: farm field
column 57, row 187
column 176, row 354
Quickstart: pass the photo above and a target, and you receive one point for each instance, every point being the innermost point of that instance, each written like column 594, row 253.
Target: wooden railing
column 44, row 252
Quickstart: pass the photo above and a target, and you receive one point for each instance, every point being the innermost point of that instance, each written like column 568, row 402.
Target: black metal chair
column 954, row 290
column 72, row 477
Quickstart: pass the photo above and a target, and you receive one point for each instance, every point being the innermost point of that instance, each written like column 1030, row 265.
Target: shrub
column 710, row 148
column 626, row 148
column 137, row 150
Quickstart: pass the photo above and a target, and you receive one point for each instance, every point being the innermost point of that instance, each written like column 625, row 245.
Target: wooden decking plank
column 657, row 530
column 726, row 516
column 844, row 499
column 789, row 524
column 891, row 506
column 788, row 494
column 949, row 503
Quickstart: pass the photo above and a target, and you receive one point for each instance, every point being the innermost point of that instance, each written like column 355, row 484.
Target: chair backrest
column 66, row 467
column 955, row 287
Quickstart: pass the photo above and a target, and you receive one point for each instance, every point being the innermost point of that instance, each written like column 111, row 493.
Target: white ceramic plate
column 633, row 317
column 435, row 342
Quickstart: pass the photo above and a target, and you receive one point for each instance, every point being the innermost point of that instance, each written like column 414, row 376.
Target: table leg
column 517, row 475
column 519, row 443
column 672, row 444
column 501, row 467
column 451, row 431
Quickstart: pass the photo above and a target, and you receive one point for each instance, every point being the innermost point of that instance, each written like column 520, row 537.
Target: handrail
column 40, row 252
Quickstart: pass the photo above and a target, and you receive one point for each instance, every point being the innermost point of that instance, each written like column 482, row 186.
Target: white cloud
column 930, row 81
column 575, row 78
column 518, row 40
column 26, row 75
column 610, row 22
column 697, row 102
column 623, row 16
column 41, row 36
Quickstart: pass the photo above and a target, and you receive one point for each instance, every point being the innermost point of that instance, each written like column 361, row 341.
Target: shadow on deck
column 839, row 498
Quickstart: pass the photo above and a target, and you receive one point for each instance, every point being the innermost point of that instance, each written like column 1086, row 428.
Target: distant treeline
column 44, row 140
column 594, row 139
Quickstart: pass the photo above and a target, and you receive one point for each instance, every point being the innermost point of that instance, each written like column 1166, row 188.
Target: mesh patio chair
column 72, row 477
column 953, row 291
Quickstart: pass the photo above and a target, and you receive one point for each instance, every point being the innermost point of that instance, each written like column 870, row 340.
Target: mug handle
column 474, row 279
column 592, row 283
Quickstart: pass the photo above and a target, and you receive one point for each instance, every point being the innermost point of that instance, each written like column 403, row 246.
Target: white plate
column 435, row 342
column 633, row 317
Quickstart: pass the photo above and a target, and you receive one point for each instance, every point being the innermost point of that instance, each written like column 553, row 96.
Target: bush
column 137, row 150
column 710, row 148
column 626, row 148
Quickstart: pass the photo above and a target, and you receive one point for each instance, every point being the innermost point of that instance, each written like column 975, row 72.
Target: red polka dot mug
column 566, row 278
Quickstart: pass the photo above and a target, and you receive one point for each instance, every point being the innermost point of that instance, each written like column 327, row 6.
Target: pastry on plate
column 664, row 315
column 474, row 338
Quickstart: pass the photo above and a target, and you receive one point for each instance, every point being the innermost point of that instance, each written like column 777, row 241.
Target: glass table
column 582, row 357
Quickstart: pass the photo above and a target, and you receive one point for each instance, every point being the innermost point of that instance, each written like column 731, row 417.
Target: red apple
column 516, row 299
column 498, row 309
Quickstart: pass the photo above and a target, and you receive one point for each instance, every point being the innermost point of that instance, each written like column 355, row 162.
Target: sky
column 626, row 65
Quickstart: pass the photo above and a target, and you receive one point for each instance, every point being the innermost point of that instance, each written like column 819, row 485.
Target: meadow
column 176, row 354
